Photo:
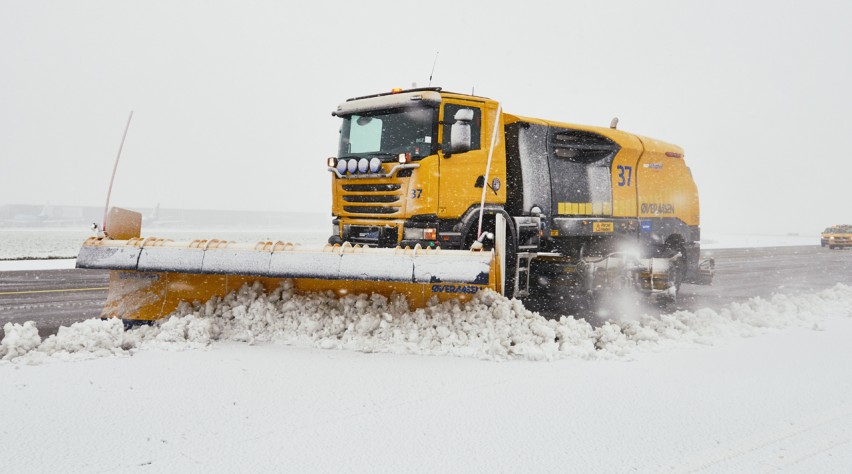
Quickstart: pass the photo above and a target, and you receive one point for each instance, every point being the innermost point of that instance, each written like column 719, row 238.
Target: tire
column 680, row 272
column 681, row 268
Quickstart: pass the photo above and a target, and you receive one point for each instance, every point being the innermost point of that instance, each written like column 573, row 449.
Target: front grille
column 382, row 199
column 370, row 209
column 371, row 198
column 366, row 188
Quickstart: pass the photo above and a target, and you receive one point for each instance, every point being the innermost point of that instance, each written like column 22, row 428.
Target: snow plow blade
column 152, row 276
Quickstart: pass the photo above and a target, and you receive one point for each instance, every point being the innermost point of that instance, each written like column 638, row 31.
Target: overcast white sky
column 232, row 100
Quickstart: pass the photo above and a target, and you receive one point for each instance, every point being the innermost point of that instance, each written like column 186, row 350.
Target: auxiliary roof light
column 352, row 165
column 396, row 90
column 375, row 165
column 363, row 165
column 341, row 166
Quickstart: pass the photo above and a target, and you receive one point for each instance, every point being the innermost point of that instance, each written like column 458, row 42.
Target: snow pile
column 488, row 327
column 20, row 339
column 90, row 338
column 82, row 340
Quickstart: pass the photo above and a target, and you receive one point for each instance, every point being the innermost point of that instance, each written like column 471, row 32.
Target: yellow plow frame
column 151, row 276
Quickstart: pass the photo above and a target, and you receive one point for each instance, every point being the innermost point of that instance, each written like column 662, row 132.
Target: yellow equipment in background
column 837, row 237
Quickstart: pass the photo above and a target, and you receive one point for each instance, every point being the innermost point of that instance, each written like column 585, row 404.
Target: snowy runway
column 776, row 401
column 754, row 387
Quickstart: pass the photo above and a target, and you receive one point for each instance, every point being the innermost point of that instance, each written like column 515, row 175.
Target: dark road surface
column 742, row 274
column 53, row 298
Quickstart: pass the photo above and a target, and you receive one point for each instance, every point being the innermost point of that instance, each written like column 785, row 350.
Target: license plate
column 602, row 227
column 369, row 235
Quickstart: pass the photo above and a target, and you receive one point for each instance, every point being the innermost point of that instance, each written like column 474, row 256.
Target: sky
column 232, row 101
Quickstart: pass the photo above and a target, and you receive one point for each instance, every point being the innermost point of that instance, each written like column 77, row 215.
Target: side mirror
column 460, row 131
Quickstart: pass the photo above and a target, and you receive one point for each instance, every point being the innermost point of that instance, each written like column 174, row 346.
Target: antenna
column 115, row 167
column 433, row 68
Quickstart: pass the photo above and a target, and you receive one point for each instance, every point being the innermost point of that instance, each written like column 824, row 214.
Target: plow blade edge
column 151, row 277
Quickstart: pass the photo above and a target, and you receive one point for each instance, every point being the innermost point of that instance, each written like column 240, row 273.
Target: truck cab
column 397, row 180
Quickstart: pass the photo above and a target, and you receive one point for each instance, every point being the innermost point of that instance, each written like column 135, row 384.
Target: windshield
column 387, row 133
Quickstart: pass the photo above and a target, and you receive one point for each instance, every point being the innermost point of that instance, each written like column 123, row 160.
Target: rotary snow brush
column 151, row 276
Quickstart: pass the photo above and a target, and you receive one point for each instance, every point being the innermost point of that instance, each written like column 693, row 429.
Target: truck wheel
column 670, row 250
column 680, row 271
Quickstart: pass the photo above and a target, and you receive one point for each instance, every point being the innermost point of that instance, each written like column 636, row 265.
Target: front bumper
column 384, row 235
column 839, row 242
column 394, row 232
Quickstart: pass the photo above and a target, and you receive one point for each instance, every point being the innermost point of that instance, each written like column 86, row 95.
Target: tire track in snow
column 810, row 454
column 795, row 435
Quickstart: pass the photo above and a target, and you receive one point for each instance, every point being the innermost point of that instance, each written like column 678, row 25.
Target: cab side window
column 475, row 126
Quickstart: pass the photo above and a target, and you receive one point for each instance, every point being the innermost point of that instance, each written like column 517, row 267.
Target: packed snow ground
column 283, row 382
column 299, row 383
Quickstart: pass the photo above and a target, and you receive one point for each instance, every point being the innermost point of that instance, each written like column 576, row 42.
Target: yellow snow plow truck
column 837, row 237
column 440, row 195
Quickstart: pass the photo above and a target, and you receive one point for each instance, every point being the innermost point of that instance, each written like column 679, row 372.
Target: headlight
column 341, row 166
column 363, row 165
column 420, row 234
column 375, row 165
column 352, row 165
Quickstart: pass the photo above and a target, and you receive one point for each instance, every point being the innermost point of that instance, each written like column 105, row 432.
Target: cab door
column 460, row 180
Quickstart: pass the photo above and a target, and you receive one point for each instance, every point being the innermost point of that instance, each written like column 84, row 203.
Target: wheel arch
column 470, row 220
